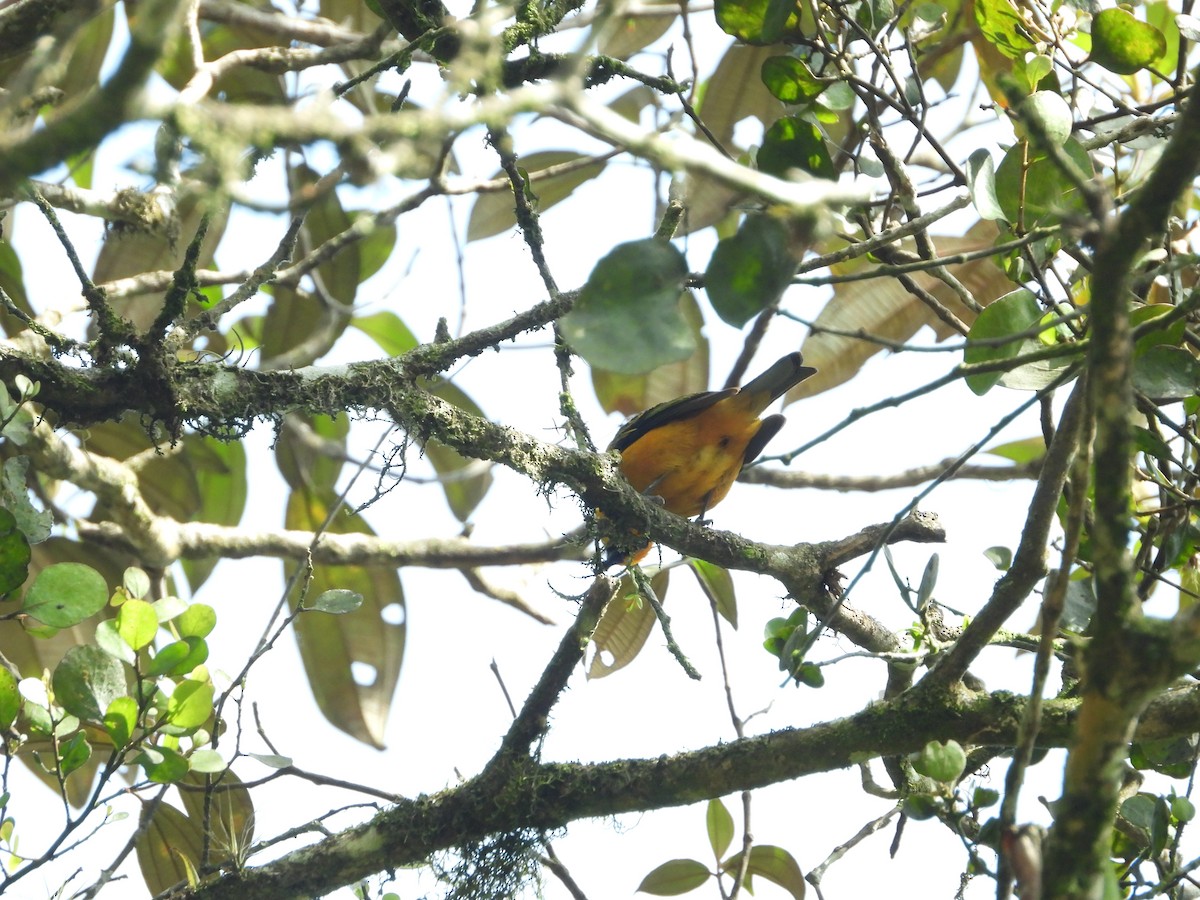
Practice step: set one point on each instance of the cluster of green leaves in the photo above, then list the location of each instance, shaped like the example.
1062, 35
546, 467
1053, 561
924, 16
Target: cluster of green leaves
790, 639
678, 876
137, 694
938, 767
635, 317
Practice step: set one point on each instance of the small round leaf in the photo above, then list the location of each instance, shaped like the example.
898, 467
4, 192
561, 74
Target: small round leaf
337, 602
941, 762
65, 594
1124, 44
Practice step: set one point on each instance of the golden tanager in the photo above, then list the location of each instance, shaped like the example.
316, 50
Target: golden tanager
687, 452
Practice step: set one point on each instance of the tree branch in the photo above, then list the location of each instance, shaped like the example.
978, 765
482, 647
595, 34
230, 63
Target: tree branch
1129, 657
908, 478
550, 795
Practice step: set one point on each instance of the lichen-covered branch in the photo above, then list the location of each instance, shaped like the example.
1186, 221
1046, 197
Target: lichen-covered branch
1129, 657
543, 796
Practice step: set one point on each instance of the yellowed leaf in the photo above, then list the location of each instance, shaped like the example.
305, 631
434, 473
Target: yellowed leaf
624, 626
883, 308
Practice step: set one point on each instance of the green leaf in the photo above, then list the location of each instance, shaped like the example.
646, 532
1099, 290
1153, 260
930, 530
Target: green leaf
941, 762
337, 602
795, 143
376, 248
137, 623
872, 14
207, 761
720, 827
191, 704
1166, 373
756, 21
1182, 809
112, 643
1031, 189
1000, 557
1160, 826
12, 280
74, 752
178, 657
85, 55
86, 682
163, 765
630, 394
34, 524
65, 726
790, 80
1025, 450
920, 807
293, 317
1171, 757
675, 877
717, 585
993, 338
782, 636
120, 719
1079, 607
981, 182
168, 608
774, 864
1168, 335
388, 331
136, 582
628, 317
1033, 69
494, 212
1139, 811
272, 760
810, 675
10, 698
1050, 112
1162, 15
64, 594
984, 797
1123, 44
928, 582
1001, 26
1012, 314
1150, 443
198, 620
14, 553
749, 271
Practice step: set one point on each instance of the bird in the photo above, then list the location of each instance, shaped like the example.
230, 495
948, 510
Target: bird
686, 453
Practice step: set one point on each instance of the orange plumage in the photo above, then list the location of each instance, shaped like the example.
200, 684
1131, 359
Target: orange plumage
687, 452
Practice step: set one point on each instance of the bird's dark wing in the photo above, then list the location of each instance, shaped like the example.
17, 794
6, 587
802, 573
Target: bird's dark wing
665, 413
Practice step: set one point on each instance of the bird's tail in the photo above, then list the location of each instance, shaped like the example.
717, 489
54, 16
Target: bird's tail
759, 393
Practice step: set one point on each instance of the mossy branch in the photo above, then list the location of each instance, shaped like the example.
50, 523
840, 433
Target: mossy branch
550, 795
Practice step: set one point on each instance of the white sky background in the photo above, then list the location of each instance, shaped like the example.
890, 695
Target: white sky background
449, 715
